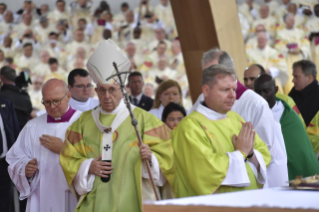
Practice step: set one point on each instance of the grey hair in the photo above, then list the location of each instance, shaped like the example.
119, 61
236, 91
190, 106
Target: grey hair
308, 67
287, 15
216, 54
210, 73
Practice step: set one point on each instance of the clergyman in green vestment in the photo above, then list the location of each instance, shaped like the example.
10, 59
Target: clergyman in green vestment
110, 122
215, 151
302, 159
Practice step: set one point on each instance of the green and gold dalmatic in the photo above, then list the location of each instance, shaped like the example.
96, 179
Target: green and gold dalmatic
124, 191
200, 147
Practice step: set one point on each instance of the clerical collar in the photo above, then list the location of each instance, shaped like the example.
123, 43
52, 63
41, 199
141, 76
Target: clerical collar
240, 90
209, 113
65, 118
81, 103
116, 110
312, 86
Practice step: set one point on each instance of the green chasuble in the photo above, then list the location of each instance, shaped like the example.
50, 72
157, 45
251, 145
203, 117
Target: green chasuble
200, 147
124, 191
301, 157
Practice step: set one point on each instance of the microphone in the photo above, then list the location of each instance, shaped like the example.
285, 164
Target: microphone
107, 157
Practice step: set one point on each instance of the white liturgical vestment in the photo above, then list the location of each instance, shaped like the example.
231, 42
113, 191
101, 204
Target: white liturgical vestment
48, 190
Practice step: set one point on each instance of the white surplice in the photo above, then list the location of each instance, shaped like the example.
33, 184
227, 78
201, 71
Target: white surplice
84, 106
252, 107
159, 111
236, 173
48, 190
277, 111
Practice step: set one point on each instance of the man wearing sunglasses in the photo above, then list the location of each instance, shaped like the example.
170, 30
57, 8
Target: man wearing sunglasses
34, 165
81, 88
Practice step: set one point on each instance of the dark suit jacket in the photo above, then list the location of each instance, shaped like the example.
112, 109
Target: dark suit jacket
10, 122
21, 101
146, 103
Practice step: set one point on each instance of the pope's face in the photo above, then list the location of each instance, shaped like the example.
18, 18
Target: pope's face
221, 94
110, 96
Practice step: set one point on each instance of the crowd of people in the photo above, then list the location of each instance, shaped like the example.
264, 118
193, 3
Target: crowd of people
56, 121
49, 43
279, 33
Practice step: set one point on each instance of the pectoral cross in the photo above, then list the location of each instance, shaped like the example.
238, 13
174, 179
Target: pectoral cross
107, 130
107, 147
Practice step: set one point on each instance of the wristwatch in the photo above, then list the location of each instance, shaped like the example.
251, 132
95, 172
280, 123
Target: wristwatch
249, 156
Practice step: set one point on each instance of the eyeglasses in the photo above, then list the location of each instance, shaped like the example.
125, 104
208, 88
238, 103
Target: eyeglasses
111, 91
89, 86
54, 102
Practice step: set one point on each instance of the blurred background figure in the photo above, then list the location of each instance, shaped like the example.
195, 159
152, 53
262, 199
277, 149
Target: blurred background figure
168, 91
173, 113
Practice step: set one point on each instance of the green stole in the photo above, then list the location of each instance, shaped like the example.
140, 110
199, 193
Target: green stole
200, 147
124, 191
301, 157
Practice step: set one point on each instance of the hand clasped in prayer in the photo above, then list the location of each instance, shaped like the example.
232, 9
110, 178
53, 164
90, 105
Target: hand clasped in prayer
246, 139
245, 142
52, 143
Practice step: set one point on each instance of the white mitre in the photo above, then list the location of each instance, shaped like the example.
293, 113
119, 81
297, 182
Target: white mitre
100, 64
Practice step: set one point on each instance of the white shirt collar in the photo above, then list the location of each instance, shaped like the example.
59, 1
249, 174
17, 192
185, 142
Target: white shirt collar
209, 113
116, 110
138, 97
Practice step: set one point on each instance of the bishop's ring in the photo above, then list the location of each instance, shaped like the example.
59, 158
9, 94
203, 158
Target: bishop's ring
101, 172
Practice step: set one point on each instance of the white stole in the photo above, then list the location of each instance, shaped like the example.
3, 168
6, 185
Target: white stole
107, 132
